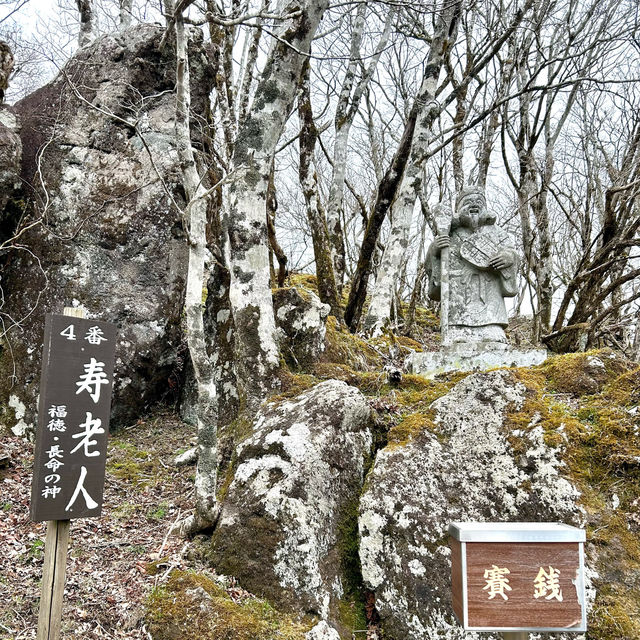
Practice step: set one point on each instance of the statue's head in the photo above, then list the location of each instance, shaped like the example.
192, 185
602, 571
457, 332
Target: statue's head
471, 209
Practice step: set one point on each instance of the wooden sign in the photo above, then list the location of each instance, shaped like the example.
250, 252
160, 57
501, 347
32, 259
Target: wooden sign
73, 418
518, 576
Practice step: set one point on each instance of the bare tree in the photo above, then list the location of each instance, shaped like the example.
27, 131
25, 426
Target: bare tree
414, 141
85, 9
327, 288
603, 212
562, 46
253, 154
351, 92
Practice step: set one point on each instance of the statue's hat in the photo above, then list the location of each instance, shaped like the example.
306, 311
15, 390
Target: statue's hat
470, 190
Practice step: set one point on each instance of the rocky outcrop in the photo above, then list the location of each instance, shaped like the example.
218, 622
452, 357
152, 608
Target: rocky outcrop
294, 493
10, 165
100, 154
467, 467
301, 319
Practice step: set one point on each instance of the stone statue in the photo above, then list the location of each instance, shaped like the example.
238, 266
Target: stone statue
482, 269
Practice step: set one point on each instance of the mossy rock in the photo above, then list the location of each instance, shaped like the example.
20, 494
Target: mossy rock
581, 374
304, 281
597, 434
192, 606
409, 428
293, 384
344, 347
402, 344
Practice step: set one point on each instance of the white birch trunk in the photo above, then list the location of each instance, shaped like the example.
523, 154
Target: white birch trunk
336, 199
250, 56
86, 22
126, 8
345, 114
414, 144
196, 216
258, 135
379, 313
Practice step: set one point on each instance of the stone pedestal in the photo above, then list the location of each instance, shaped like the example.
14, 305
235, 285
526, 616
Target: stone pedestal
472, 356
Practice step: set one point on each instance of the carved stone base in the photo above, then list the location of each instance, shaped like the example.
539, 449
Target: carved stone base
475, 356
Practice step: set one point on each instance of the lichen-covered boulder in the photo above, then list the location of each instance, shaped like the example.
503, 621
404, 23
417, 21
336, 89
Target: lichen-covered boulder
302, 322
293, 496
465, 466
10, 165
99, 149
322, 631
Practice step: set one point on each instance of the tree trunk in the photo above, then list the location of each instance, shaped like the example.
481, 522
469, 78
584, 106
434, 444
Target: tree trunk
380, 307
272, 208
325, 276
86, 22
544, 272
636, 340
422, 116
252, 304
345, 114
196, 216
126, 8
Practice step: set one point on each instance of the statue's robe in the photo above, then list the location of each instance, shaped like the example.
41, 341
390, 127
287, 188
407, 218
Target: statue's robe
476, 297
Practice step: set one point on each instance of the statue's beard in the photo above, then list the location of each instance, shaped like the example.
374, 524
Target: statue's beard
469, 222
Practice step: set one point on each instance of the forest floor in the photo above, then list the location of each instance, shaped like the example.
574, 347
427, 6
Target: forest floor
115, 560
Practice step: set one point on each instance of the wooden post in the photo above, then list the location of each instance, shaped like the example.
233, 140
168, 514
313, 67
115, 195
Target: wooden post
55, 562
515, 635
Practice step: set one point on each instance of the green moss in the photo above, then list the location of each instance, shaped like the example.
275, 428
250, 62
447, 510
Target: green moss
409, 428
292, 384
124, 510
615, 615
229, 436
139, 474
403, 344
131, 464
425, 319
624, 391
36, 550
352, 615
344, 347
576, 373
597, 437
156, 566
192, 606
223, 489
303, 291
336, 371
159, 512
351, 612
416, 393
304, 280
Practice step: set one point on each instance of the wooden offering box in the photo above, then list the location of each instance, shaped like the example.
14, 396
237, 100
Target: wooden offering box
518, 576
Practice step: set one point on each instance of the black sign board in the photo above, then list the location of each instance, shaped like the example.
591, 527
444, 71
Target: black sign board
73, 418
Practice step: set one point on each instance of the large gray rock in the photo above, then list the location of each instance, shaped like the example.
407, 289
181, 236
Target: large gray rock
322, 631
295, 485
302, 322
112, 239
10, 166
465, 469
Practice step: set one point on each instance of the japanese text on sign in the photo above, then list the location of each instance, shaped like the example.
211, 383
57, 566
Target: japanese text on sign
546, 584
75, 398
